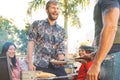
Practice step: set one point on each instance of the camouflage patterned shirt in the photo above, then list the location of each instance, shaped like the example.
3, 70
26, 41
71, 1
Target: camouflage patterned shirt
49, 41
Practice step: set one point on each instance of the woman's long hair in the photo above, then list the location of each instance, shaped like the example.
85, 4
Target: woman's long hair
5, 50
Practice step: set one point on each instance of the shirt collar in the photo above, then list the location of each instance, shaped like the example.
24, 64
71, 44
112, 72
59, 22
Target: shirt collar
46, 20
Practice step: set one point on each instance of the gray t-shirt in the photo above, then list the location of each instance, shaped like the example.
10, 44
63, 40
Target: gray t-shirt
100, 7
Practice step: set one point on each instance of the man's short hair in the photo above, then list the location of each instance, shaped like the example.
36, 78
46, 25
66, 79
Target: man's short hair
51, 2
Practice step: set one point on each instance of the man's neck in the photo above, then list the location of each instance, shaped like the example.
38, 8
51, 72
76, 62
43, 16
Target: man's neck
52, 22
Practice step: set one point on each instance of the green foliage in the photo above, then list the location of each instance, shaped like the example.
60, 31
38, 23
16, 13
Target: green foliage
23, 39
34, 5
69, 9
9, 32
2, 38
5, 23
6, 31
22, 42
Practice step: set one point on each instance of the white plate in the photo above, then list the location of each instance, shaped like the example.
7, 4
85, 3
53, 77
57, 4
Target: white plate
58, 62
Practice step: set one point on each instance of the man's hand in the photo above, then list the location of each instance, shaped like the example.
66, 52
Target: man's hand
31, 67
61, 57
93, 72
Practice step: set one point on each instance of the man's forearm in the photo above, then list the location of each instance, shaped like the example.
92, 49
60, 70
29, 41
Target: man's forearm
110, 19
30, 51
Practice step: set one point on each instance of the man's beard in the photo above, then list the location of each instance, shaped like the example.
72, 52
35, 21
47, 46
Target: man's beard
52, 18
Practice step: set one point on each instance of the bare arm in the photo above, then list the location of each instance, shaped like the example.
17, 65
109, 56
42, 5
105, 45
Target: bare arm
30, 54
110, 20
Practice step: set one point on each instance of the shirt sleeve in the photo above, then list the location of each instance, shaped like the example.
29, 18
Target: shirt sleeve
33, 31
61, 46
107, 4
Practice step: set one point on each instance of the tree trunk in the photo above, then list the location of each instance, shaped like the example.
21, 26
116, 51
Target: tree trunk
66, 24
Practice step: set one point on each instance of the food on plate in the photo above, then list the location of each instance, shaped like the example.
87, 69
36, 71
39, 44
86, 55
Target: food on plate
44, 75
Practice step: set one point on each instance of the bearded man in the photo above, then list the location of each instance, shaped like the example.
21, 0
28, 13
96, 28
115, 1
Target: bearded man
47, 39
